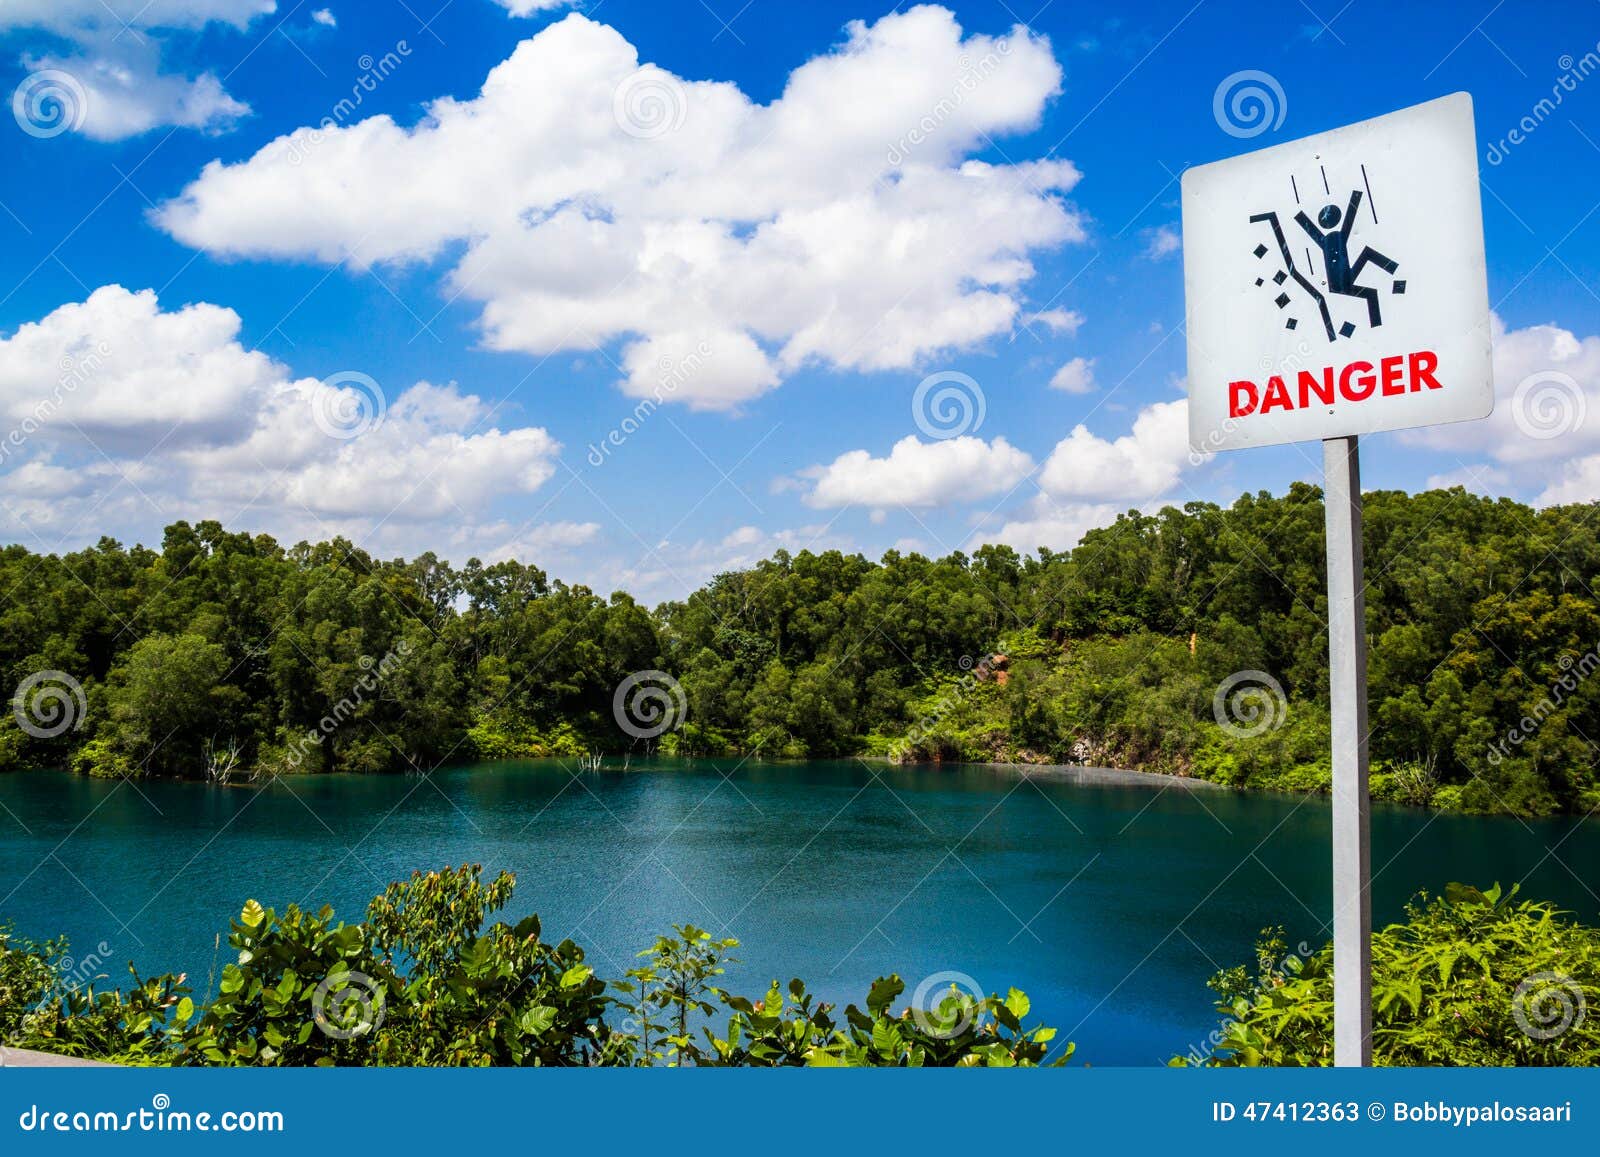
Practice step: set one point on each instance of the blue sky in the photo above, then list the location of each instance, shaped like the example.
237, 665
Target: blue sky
934, 192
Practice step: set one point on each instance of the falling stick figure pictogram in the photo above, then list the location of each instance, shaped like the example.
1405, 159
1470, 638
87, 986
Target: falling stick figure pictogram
1335, 246
1343, 276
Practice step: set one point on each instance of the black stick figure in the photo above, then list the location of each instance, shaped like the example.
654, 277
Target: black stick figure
1300, 279
1335, 246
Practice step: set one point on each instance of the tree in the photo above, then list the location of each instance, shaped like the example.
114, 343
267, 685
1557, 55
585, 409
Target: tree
164, 703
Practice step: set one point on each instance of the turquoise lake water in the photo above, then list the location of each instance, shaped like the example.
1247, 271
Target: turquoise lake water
1108, 905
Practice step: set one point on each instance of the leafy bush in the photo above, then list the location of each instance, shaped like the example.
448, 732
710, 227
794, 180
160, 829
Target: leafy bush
960, 1031
493, 739
272, 1001
1470, 978
423, 982
47, 1003
28, 973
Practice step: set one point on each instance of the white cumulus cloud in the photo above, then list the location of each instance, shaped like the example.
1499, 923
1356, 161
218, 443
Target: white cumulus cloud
73, 17
1088, 480
1144, 463
604, 201
1076, 377
1543, 437
110, 84
117, 415
673, 569
133, 374
918, 473
425, 459
1162, 242
532, 7
1056, 526
1067, 321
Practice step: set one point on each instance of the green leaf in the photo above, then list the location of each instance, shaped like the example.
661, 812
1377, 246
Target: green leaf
883, 993
537, 1020
821, 1058
1008, 1018
1017, 1002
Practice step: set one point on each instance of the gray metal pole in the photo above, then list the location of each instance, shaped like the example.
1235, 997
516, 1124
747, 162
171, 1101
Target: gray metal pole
1347, 685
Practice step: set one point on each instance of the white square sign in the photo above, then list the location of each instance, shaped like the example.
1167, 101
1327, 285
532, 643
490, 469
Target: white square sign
1335, 285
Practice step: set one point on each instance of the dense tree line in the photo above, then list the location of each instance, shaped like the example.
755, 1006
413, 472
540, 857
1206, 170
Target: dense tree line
229, 654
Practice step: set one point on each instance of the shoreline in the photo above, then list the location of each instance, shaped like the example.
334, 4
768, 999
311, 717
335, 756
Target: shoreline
1104, 776
1079, 774
1074, 773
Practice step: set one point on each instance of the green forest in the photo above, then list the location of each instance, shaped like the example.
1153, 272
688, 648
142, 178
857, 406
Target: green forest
229, 656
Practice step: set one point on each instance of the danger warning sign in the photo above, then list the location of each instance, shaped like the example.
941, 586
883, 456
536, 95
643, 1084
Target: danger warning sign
1335, 285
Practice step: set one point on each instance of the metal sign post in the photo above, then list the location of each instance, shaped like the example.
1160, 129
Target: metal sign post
1347, 691
1335, 286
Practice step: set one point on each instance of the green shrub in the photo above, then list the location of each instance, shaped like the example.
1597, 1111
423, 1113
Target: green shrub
296, 973
28, 974
48, 1003
959, 1031
423, 982
1470, 978
12, 745
100, 757
496, 739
